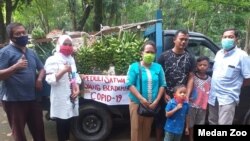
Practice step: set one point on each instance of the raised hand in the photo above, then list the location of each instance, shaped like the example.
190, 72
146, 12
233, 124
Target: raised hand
67, 68
21, 63
179, 106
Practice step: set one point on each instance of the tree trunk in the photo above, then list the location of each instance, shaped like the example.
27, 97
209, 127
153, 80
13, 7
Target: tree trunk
160, 4
194, 21
98, 14
43, 17
189, 20
8, 11
85, 16
46, 19
10, 6
247, 42
113, 12
2, 27
72, 9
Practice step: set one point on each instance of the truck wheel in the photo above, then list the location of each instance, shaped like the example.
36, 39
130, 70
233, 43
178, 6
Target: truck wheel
247, 118
94, 123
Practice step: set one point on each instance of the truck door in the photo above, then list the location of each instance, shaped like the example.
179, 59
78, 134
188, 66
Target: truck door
201, 47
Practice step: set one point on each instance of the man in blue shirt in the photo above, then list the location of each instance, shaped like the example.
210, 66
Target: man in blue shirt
230, 68
21, 73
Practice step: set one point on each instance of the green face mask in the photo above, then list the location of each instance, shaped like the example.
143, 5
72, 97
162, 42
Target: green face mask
148, 58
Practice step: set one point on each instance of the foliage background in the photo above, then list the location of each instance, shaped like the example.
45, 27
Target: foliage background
209, 17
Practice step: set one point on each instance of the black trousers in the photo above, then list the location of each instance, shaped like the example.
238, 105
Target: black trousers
63, 129
20, 113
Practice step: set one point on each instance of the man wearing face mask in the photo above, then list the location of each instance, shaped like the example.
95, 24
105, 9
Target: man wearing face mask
231, 67
18, 73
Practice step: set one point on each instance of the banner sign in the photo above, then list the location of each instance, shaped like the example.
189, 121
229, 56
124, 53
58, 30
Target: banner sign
107, 89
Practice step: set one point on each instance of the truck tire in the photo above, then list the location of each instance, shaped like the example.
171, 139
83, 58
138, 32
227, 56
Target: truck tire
94, 123
246, 120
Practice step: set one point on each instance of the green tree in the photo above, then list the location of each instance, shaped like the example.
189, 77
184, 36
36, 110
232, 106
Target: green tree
47, 14
98, 14
112, 12
7, 7
54, 14
87, 6
210, 17
79, 12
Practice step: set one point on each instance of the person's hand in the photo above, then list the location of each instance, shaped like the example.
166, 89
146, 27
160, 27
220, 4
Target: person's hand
144, 102
39, 85
153, 105
186, 131
166, 97
179, 106
21, 63
189, 100
67, 68
75, 91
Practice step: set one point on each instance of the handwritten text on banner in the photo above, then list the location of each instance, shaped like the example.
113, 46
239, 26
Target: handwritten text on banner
107, 89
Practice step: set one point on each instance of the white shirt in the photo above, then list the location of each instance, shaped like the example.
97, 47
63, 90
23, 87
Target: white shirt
61, 106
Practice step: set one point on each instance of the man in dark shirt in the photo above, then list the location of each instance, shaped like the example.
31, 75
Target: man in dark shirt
21, 73
178, 66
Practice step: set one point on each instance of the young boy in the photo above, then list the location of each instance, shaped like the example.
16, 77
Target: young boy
176, 113
199, 97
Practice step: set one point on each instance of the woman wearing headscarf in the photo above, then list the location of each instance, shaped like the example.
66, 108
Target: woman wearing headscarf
61, 75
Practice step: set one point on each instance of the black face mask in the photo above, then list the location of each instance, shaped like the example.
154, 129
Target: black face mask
21, 41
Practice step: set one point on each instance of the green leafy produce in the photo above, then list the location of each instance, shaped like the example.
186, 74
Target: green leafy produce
38, 33
119, 51
43, 49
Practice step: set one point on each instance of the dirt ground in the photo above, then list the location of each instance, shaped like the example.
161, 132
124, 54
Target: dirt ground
5, 132
120, 132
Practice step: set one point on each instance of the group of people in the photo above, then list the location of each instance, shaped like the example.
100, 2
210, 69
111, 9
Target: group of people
184, 90
176, 82
21, 75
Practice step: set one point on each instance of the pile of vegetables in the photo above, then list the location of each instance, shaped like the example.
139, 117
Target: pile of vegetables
38, 33
42, 46
43, 49
118, 50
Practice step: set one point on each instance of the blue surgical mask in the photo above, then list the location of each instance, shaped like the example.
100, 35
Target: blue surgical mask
21, 41
227, 43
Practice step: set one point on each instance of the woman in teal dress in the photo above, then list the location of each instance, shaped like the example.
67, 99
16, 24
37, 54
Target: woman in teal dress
153, 87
